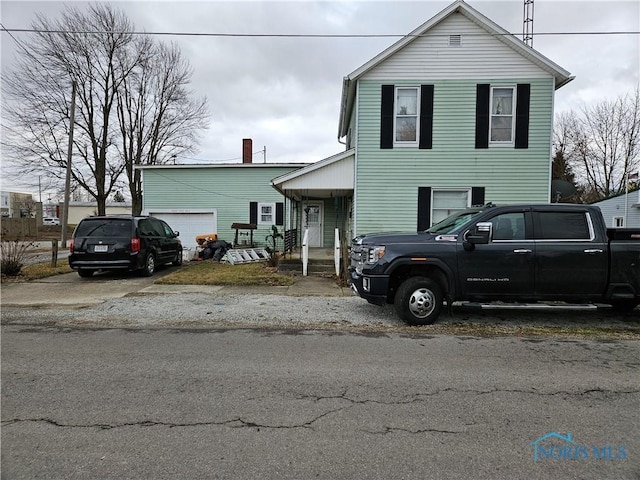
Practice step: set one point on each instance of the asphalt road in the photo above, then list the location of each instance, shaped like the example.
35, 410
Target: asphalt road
161, 403
115, 377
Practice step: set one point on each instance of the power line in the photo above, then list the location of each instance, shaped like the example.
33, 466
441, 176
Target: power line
292, 35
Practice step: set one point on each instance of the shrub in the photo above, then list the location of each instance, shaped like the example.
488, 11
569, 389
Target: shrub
274, 259
12, 256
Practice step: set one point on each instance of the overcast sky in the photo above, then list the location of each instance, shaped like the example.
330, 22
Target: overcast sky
284, 93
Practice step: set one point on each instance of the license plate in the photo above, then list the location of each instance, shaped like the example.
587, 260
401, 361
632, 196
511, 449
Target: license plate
101, 248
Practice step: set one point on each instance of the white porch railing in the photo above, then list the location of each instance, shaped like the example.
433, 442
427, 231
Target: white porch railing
336, 251
305, 252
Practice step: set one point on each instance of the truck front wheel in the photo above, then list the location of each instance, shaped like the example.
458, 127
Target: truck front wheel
419, 301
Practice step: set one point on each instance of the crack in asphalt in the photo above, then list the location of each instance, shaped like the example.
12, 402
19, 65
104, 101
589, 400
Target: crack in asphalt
242, 423
419, 396
388, 430
234, 423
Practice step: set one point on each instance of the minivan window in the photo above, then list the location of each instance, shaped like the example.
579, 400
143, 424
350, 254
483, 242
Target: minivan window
167, 230
146, 228
158, 228
104, 227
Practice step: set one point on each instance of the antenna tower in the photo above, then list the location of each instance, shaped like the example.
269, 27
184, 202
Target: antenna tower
527, 27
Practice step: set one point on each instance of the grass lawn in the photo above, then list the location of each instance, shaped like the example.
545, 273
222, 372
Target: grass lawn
210, 273
40, 270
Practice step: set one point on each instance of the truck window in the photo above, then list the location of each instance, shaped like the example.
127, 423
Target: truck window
564, 226
452, 222
508, 226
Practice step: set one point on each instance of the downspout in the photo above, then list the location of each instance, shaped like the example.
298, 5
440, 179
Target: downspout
354, 205
553, 114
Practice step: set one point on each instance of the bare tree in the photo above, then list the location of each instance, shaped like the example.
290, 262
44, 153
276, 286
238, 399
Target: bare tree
132, 103
602, 144
158, 118
561, 169
72, 49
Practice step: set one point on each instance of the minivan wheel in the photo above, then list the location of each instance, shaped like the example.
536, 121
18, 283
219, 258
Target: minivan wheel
84, 273
178, 261
149, 265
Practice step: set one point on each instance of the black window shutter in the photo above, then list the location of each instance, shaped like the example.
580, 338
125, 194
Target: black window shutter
426, 117
482, 115
477, 195
279, 213
386, 117
522, 115
253, 212
424, 208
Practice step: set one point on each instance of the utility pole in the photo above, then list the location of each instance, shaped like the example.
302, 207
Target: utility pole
67, 183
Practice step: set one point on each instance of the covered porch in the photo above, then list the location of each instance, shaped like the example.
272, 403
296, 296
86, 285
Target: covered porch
318, 205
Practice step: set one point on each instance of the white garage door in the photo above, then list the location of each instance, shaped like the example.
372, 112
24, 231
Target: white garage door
190, 224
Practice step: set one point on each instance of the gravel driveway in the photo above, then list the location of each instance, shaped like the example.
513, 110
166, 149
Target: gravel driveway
217, 309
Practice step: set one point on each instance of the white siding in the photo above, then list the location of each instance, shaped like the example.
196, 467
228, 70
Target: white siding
614, 207
338, 175
481, 55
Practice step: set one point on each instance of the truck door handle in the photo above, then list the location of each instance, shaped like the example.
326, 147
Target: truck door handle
522, 251
593, 250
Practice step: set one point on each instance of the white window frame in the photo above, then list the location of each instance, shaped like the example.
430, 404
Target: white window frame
434, 191
618, 222
406, 143
272, 207
503, 143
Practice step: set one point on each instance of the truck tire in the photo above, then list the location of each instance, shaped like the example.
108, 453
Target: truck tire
419, 301
85, 273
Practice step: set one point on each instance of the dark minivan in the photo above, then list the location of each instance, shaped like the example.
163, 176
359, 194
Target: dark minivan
123, 242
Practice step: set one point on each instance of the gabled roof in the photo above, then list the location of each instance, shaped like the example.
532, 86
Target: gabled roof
332, 176
561, 76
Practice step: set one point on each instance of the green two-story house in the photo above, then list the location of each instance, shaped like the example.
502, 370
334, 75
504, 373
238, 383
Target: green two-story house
457, 113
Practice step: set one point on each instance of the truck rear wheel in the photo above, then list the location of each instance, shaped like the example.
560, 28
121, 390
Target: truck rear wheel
419, 301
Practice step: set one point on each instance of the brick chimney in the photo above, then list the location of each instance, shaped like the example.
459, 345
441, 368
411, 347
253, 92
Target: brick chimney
247, 150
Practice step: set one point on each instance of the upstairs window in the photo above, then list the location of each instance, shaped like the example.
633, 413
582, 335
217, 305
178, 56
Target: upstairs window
502, 115
406, 118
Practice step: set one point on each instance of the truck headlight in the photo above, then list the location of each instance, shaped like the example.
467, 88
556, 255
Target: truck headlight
375, 254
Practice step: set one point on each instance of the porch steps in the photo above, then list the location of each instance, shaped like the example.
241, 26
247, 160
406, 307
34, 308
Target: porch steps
314, 267
246, 255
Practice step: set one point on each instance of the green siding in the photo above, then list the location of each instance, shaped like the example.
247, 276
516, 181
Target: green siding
387, 181
227, 190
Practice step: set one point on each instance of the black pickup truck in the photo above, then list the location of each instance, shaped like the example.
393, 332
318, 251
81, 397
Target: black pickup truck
511, 253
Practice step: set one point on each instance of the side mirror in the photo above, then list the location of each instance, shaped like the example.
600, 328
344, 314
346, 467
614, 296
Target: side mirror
176, 234
481, 234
